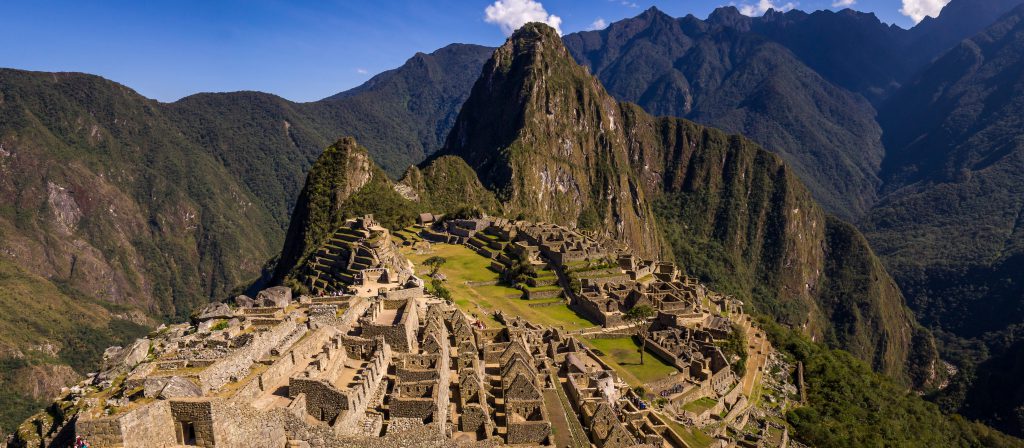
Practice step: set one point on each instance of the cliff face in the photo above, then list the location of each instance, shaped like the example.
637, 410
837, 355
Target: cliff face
554, 146
549, 141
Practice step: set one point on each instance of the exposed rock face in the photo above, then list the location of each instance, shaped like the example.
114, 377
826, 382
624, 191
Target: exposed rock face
119, 360
43, 382
244, 301
216, 310
550, 142
553, 145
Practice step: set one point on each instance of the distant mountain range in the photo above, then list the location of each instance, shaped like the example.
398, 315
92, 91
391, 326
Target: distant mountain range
107, 197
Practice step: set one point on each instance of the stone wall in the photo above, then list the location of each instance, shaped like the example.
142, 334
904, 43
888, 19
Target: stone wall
236, 364
400, 336
324, 402
543, 294
200, 413
100, 432
407, 293
528, 432
147, 426
360, 397
279, 372
240, 425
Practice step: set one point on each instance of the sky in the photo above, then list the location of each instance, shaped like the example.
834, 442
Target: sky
308, 50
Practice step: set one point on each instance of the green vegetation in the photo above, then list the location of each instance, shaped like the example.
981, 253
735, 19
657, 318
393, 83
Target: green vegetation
434, 263
464, 265
438, 289
849, 405
80, 328
17, 405
638, 316
827, 134
736, 345
700, 405
623, 354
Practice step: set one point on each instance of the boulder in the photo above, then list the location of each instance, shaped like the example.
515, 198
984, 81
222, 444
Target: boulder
117, 360
179, 387
244, 301
278, 296
152, 387
215, 310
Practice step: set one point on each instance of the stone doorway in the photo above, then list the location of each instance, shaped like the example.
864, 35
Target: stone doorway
186, 433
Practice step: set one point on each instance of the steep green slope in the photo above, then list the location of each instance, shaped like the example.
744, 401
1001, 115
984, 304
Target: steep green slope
951, 222
546, 137
951, 225
720, 73
848, 405
101, 191
51, 336
103, 202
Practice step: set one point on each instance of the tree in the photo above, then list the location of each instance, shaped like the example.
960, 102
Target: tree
638, 316
440, 290
435, 263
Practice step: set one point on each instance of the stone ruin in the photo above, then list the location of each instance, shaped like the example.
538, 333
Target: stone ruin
396, 365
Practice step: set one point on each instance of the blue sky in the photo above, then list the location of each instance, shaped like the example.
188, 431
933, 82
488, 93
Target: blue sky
301, 50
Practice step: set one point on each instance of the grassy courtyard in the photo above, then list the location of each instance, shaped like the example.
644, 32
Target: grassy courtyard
463, 265
624, 356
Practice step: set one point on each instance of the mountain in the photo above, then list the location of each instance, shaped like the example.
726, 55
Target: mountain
267, 142
553, 145
851, 49
954, 184
721, 73
958, 20
950, 225
108, 215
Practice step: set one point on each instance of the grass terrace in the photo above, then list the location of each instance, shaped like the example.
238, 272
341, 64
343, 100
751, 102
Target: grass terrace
699, 405
464, 265
623, 354
693, 437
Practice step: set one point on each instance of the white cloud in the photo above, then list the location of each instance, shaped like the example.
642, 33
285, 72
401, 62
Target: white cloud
629, 4
362, 71
918, 9
509, 15
762, 6
598, 24
843, 3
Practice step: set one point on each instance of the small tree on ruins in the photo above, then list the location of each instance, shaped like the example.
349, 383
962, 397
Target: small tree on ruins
638, 316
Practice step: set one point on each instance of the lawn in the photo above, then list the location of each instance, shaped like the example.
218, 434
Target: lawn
624, 356
699, 405
693, 437
463, 264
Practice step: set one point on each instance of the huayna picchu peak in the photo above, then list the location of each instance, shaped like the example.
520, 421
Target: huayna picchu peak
656, 231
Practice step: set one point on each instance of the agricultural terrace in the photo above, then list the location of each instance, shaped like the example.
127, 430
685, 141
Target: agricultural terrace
463, 265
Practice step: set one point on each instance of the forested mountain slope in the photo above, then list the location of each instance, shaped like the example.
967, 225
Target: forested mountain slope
950, 225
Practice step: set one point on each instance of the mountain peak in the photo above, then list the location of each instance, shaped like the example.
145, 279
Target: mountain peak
729, 16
